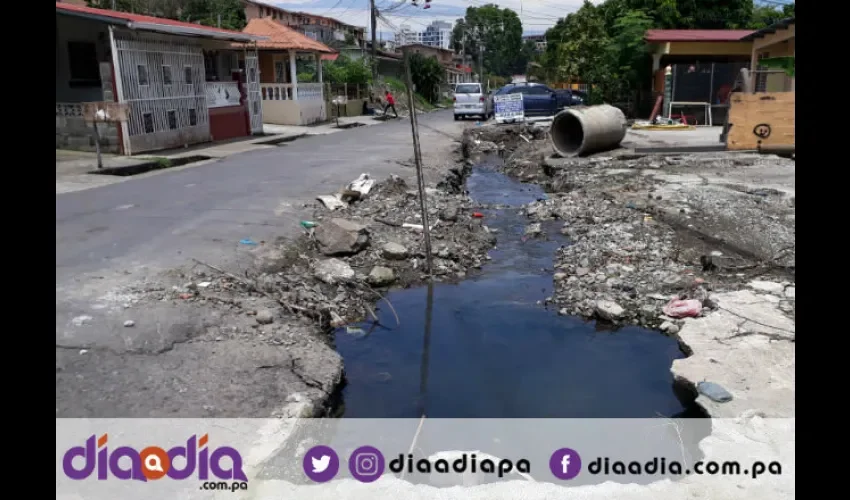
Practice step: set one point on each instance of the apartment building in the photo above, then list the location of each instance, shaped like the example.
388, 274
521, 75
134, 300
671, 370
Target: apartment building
320, 28
438, 34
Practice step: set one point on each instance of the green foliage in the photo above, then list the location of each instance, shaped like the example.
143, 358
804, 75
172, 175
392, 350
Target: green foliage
206, 12
347, 70
427, 74
786, 63
499, 31
604, 44
399, 89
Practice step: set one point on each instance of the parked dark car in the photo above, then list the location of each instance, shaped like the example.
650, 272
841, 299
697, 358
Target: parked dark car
539, 99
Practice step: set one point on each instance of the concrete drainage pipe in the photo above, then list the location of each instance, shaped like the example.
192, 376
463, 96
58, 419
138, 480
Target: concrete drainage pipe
582, 130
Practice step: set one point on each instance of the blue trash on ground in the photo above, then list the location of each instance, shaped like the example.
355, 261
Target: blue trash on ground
248, 241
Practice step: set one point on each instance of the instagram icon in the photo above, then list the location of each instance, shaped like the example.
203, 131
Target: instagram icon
366, 464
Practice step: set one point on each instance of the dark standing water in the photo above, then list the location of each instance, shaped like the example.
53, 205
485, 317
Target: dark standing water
490, 351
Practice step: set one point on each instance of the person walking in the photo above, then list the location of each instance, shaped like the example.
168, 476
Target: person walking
390, 103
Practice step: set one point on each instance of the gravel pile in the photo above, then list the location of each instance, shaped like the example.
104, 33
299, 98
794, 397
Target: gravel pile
648, 229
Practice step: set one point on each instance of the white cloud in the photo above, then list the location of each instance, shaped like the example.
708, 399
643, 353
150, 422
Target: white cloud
536, 15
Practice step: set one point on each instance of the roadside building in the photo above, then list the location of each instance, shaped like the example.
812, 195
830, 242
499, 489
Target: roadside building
323, 29
285, 100
181, 83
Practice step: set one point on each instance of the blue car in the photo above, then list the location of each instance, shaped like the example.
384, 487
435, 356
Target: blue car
540, 100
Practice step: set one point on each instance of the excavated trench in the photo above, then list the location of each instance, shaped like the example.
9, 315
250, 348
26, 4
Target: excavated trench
488, 347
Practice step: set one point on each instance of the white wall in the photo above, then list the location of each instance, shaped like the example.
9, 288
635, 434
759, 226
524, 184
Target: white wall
69, 29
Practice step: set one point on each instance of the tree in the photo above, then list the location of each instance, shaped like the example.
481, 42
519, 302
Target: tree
347, 70
231, 13
499, 31
427, 74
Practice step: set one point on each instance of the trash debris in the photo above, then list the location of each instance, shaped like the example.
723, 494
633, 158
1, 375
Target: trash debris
332, 201
362, 184
247, 241
353, 330
81, 320
308, 224
185, 296
129, 323
204, 284
714, 392
418, 227
683, 308
477, 215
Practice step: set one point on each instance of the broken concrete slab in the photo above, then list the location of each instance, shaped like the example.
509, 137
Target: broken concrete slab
394, 251
381, 276
747, 346
341, 237
332, 271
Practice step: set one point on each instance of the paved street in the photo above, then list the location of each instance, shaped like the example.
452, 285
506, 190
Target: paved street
122, 233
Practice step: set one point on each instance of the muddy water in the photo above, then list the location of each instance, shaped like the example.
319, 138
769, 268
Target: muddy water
487, 347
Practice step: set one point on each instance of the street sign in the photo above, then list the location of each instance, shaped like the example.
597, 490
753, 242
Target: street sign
509, 108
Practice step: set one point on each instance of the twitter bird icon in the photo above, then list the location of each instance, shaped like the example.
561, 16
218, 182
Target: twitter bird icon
321, 464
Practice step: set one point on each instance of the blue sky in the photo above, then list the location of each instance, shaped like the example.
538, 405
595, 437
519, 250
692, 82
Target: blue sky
536, 15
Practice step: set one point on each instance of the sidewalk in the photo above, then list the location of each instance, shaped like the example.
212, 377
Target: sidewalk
73, 167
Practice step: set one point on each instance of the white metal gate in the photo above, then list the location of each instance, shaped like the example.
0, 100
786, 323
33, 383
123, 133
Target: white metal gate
252, 79
163, 85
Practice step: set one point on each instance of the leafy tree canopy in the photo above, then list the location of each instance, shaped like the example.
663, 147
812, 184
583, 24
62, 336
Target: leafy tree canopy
206, 12
495, 34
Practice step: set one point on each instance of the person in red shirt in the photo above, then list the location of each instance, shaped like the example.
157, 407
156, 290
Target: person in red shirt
390, 104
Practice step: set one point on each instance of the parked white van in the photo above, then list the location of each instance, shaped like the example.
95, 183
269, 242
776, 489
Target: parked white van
471, 100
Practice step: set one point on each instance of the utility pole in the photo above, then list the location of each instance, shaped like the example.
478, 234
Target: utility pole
417, 158
374, 15
481, 62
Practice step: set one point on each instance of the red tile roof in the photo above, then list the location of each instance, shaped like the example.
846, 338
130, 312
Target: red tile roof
137, 18
282, 37
695, 35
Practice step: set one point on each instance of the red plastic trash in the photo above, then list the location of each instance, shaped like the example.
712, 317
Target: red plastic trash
477, 215
683, 308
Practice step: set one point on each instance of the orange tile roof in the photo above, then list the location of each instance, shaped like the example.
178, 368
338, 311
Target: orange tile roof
282, 37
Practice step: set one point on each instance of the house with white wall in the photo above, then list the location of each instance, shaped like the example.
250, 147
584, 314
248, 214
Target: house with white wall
181, 83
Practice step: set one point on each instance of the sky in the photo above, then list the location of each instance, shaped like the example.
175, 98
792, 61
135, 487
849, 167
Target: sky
536, 15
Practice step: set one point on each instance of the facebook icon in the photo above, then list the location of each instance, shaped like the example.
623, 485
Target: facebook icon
565, 464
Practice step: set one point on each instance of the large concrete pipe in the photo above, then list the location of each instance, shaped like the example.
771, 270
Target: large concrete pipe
582, 130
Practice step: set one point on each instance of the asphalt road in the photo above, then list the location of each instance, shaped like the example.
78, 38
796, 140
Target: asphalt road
125, 233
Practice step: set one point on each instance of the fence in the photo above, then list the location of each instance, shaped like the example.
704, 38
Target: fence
355, 94
700, 91
771, 80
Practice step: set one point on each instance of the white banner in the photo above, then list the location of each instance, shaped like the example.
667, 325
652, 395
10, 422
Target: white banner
315, 459
509, 107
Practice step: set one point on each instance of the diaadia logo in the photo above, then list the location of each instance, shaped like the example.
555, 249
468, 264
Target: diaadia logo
195, 459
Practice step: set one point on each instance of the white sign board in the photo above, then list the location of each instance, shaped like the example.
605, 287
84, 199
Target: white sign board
509, 108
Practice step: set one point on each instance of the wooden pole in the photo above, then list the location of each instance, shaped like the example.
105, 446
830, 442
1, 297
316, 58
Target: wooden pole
97, 144
417, 157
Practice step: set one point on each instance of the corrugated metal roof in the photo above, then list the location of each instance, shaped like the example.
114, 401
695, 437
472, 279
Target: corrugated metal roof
696, 35
282, 37
773, 28
149, 23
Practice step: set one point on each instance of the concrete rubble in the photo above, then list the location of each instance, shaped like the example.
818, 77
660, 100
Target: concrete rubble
705, 235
